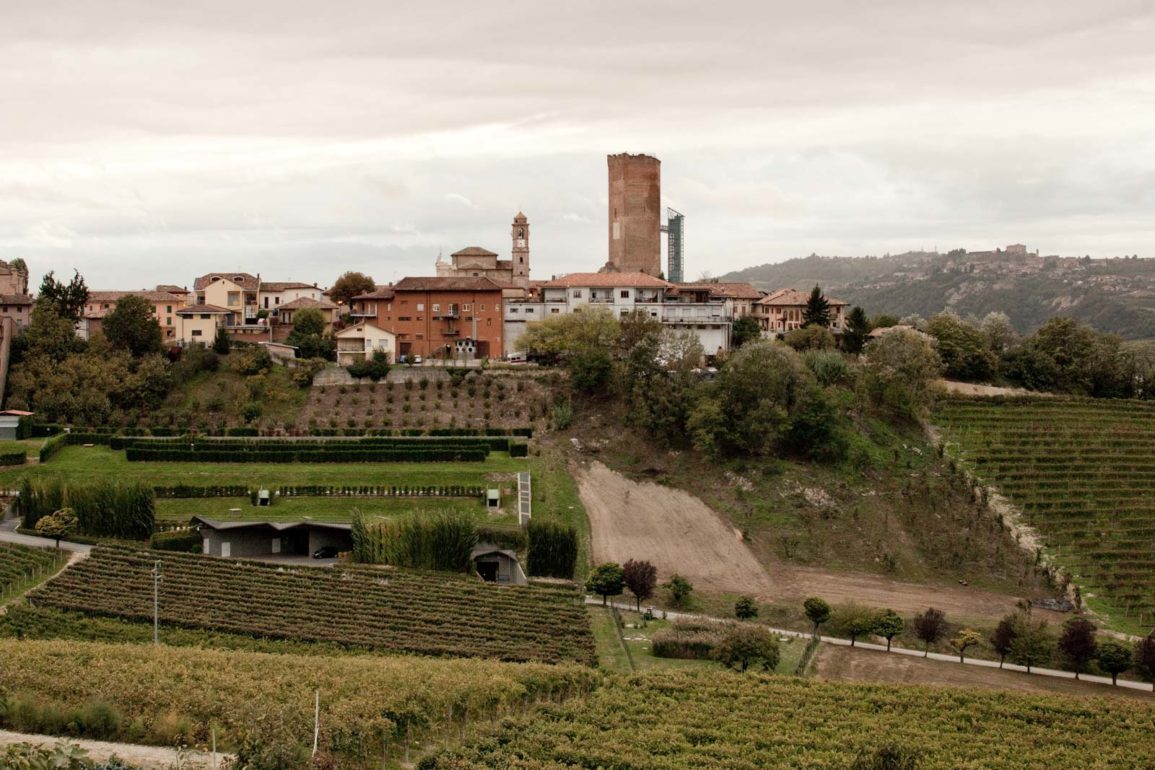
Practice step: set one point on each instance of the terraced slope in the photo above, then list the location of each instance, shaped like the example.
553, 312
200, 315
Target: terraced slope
21, 566
391, 610
1083, 471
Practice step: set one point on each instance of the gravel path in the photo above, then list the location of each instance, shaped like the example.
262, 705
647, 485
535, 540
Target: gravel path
146, 757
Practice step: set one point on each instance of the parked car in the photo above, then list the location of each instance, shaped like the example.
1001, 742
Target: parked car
417, 359
325, 552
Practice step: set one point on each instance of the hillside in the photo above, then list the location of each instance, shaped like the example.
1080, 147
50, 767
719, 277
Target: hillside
1112, 295
1081, 470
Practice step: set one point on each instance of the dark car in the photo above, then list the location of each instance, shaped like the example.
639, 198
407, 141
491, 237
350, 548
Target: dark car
325, 552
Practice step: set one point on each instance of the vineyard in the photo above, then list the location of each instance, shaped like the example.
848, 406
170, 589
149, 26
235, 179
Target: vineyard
387, 610
20, 566
1083, 473
674, 720
370, 707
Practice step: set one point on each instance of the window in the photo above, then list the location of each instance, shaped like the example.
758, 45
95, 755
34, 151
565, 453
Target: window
168, 322
554, 310
466, 308
420, 306
436, 308
529, 310
106, 306
404, 318
577, 293
168, 308
481, 308
234, 298
404, 302
489, 322
514, 310
276, 300
205, 316
196, 332
625, 293
266, 303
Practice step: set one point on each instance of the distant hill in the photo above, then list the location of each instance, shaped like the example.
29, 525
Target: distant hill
1114, 295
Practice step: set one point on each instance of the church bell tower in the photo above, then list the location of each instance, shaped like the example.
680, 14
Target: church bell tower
520, 235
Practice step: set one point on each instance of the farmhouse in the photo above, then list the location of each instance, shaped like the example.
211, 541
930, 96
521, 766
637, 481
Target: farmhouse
783, 310
270, 538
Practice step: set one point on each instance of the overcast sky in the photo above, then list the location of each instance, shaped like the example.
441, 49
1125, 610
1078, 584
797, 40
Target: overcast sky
144, 142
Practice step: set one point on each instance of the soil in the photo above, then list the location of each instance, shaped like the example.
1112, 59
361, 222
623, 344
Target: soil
843, 664
679, 533
974, 389
146, 757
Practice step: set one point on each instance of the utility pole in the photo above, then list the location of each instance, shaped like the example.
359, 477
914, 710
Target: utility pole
156, 576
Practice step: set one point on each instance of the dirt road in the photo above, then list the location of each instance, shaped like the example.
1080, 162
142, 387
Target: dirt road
675, 531
856, 665
146, 757
679, 533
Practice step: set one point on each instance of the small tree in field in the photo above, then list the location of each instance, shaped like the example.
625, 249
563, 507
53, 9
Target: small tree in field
1003, 638
745, 608
856, 621
965, 638
680, 590
221, 343
817, 611
1077, 644
1033, 643
889, 625
929, 627
745, 644
606, 580
1114, 658
1145, 659
58, 525
641, 578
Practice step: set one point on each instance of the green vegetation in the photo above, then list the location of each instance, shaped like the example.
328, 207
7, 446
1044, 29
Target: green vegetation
339, 509
22, 567
670, 720
553, 548
1081, 470
259, 704
439, 541
101, 508
396, 610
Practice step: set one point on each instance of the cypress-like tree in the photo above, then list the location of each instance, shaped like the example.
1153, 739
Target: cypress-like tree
817, 312
857, 331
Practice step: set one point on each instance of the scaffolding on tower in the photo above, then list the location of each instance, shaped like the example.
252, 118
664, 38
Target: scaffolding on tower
675, 245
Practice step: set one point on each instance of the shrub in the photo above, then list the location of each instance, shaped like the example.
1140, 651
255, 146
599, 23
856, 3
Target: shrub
13, 457
680, 590
551, 549
181, 540
688, 640
745, 643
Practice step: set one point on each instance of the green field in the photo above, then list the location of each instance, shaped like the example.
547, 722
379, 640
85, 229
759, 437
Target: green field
1083, 472
319, 508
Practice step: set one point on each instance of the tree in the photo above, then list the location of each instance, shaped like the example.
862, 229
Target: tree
557, 337
641, 578
221, 343
50, 334
307, 321
856, 621
1114, 657
747, 643
308, 335
857, 331
745, 329
817, 310
637, 326
889, 625
58, 525
1003, 638
132, 326
929, 627
965, 638
818, 612
1145, 659
810, 338
1000, 333
680, 590
745, 608
963, 348
1032, 644
606, 580
349, 285
1077, 644
66, 299
899, 369
590, 371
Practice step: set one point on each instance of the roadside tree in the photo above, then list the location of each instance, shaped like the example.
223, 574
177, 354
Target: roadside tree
929, 626
746, 643
606, 580
745, 608
964, 639
1077, 644
1114, 657
1145, 659
1003, 637
641, 578
58, 525
856, 621
1033, 643
889, 625
680, 590
817, 611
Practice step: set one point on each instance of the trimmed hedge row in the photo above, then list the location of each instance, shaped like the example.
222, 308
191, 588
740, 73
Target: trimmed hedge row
491, 444
307, 456
61, 440
187, 491
13, 457
180, 540
46, 430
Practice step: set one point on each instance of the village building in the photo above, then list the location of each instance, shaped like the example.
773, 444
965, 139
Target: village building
476, 262
329, 310
237, 293
230, 539
438, 317
361, 340
200, 323
15, 301
783, 310
273, 295
165, 305
710, 319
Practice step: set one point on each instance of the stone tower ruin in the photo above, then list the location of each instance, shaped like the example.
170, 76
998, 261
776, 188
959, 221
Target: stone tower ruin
635, 195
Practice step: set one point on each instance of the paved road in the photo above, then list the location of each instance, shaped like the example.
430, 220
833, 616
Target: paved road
8, 534
901, 650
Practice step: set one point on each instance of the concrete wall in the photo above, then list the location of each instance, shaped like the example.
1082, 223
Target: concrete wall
242, 542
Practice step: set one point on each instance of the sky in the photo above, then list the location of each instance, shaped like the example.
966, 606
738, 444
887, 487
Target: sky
146, 142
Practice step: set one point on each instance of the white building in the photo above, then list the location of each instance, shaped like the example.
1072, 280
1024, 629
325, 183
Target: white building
361, 340
623, 293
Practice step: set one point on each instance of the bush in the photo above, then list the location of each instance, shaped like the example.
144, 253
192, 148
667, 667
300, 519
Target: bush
518, 450
13, 457
181, 540
513, 538
552, 549
688, 640
746, 643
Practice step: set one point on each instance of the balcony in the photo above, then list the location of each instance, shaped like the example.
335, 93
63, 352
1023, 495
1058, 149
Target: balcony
450, 314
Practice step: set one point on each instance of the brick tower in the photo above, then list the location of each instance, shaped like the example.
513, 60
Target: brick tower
635, 213
520, 254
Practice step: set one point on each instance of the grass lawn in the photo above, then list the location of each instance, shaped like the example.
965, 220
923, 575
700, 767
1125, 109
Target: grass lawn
31, 446
77, 463
612, 655
319, 508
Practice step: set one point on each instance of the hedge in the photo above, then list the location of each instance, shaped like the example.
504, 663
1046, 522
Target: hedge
518, 450
552, 549
306, 455
489, 443
512, 538
182, 540
319, 490
13, 457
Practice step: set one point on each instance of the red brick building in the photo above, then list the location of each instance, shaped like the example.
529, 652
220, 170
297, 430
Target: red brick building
440, 317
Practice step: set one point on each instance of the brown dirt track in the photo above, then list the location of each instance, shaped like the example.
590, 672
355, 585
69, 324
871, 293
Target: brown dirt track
843, 664
679, 533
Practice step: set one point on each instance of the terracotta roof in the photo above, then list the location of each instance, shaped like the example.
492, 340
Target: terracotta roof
116, 296
474, 251
284, 285
194, 309
303, 302
381, 292
520, 218
793, 298
16, 299
446, 284
244, 280
636, 280
171, 288
732, 290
